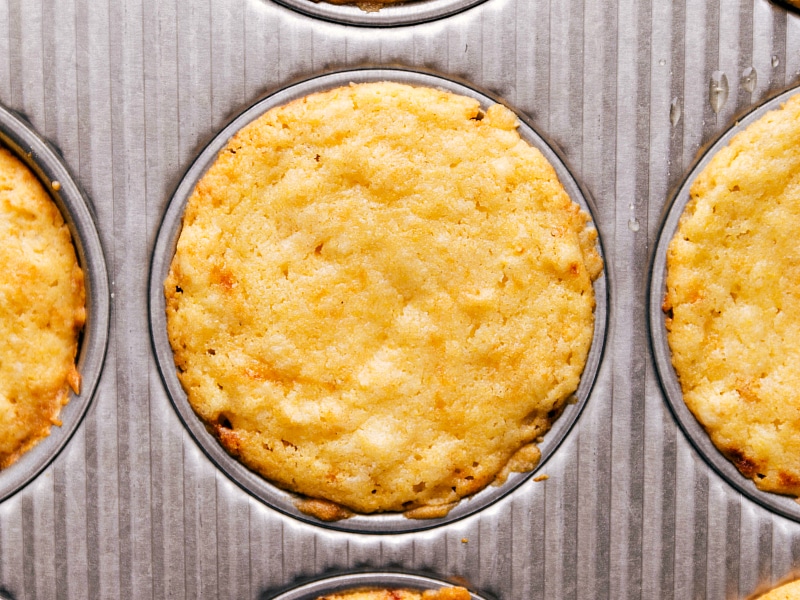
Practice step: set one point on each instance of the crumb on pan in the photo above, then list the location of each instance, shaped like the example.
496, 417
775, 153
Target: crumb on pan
324, 510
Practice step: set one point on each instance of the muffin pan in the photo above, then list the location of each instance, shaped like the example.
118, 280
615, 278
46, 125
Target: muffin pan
19, 137
164, 250
782, 505
638, 503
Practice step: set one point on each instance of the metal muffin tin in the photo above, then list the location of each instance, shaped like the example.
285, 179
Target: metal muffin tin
131, 92
405, 13
339, 584
782, 505
165, 248
43, 160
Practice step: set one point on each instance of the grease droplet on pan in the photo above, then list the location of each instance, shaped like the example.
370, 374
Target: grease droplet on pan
675, 111
749, 80
718, 90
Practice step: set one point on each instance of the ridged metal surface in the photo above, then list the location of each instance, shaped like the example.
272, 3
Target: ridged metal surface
130, 92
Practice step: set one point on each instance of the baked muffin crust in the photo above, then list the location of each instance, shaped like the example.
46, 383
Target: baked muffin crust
366, 5
381, 297
733, 300
787, 591
454, 593
42, 310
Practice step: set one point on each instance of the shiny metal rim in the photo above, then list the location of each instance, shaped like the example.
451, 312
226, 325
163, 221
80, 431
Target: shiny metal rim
782, 505
17, 135
165, 248
409, 13
352, 582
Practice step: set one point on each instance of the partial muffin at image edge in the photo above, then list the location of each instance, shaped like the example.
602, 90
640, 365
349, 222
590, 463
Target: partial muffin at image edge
381, 298
450, 593
366, 5
787, 591
42, 311
792, 3
733, 303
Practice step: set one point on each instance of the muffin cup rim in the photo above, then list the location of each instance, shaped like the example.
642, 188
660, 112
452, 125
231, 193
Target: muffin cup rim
365, 579
662, 356
48, 166
393, 15
394, 523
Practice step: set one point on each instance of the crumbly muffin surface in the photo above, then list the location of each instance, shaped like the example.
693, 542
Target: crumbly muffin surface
41, 311
787, 591
455, 593
733, 300
381, 297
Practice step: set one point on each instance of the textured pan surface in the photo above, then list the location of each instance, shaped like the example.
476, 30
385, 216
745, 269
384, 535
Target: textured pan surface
132, 91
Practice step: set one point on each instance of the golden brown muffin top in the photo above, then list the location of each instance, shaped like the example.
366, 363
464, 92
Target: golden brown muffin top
733, 300
367, 5
41, 311
381, 297
787, 591
455, 593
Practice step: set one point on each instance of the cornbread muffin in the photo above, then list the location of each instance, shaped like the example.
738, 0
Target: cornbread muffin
456, 593
367, 5
41, 311
788, 591
733, 300
381, 298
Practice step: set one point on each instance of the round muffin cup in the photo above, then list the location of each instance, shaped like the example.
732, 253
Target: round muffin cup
392, 15
697, 435
165, 248
45, 162
359, 581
